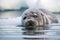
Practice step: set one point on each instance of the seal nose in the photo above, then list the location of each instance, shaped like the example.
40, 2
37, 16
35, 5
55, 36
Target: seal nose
30, 23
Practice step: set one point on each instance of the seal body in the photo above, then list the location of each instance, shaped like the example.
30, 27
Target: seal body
38, 17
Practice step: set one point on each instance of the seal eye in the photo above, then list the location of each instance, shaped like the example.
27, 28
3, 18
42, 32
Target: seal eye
24, 18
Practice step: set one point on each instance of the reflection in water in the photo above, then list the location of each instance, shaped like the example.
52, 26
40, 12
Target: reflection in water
34, 31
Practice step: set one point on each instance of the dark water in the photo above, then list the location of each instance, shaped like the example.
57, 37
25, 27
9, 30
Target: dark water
10, 31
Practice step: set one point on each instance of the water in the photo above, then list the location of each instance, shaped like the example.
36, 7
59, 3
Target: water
9, 29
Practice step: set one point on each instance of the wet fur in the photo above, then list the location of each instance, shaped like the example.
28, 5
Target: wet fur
44, 17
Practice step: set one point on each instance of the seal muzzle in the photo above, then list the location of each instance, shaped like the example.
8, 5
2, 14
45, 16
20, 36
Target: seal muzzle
30, 23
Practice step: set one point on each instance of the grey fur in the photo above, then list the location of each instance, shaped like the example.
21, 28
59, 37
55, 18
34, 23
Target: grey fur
39, 17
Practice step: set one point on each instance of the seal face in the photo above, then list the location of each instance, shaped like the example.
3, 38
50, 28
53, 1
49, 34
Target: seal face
37, 17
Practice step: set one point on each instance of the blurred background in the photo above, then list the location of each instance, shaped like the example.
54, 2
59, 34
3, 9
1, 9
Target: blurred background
11, 5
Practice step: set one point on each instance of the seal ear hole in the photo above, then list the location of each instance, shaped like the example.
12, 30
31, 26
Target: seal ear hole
24, 18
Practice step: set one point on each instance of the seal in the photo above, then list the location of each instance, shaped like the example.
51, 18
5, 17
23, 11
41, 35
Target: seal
38, 17
35, 20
